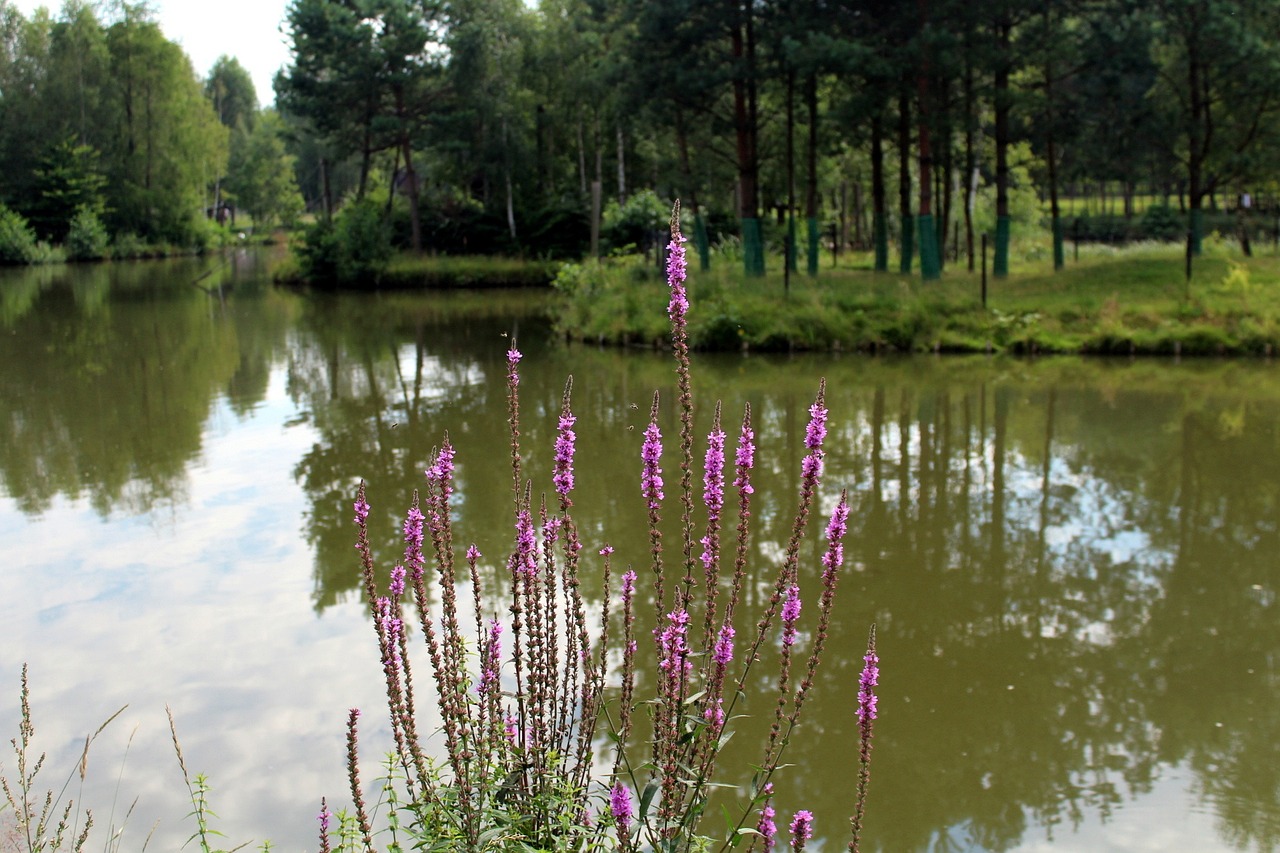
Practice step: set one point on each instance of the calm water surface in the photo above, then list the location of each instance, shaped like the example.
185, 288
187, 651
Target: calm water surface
1072, 564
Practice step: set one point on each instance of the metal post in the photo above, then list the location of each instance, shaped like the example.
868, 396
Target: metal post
984, 270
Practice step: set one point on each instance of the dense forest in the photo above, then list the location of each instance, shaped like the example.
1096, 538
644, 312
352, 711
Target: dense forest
499, 127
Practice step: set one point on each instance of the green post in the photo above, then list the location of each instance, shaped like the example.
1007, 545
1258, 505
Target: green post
1059, 256
907, 244
1000, 263
815, 243
930, 263
880, 233
792, 249
701, 242
752, 247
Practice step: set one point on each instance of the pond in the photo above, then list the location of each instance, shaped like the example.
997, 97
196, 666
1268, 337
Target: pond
1072, 564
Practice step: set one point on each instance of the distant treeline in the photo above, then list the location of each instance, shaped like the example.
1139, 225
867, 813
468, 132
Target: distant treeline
497, 126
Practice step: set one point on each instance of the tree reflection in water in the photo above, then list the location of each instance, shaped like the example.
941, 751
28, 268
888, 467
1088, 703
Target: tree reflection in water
1071, 562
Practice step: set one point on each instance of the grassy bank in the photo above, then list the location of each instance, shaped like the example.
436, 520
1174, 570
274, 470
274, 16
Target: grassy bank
439, 272
1131, 300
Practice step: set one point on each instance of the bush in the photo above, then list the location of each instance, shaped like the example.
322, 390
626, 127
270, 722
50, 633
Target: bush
353, 249
636, 222
87, 239
128, 245
17, 240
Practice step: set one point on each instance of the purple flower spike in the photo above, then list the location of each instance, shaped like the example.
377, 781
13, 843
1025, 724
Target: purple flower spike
867, 684
801, 829
766, 827
746, 458
563, 476
628, 586
723, 653
525, 560
513, 358
833, 559
816, 432
362, 510
324, 817
713, 478
677, 268
493, 658
675, 649
790, 613
620, 806
651, 454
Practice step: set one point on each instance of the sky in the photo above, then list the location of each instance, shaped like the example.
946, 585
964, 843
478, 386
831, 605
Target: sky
249, 30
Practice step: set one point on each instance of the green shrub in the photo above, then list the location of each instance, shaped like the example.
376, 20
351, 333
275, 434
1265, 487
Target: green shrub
635, 222
87, 239
352, 249
128, 245
17, 240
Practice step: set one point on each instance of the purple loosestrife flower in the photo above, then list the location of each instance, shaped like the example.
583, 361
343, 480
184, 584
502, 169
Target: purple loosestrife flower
714, 715
397, 581
391, 626
473, 553
606, 550
525, 560
677, 267
745, 458
563, 476
836, 528
815, 434
675, 651
867, 684
413, 521
362, 510
790, 613
723, 653
442, 471
628, 584
651, 454
323, 817
766, 827
713, 478
620, 807
493, 658
801, 829
513, 358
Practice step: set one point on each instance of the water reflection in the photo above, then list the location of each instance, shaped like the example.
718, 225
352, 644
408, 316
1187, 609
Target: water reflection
111, 371
1070, 562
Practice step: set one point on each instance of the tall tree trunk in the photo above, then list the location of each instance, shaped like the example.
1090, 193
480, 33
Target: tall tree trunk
743, 43
411, 182
927, 233
582, 161
410, 176
811, 193
906, 241
789, 258
1051, 152
1000, 263
970, 157
622, 165
879, 192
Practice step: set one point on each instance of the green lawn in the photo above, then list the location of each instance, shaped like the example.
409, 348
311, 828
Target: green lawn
1135, 299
